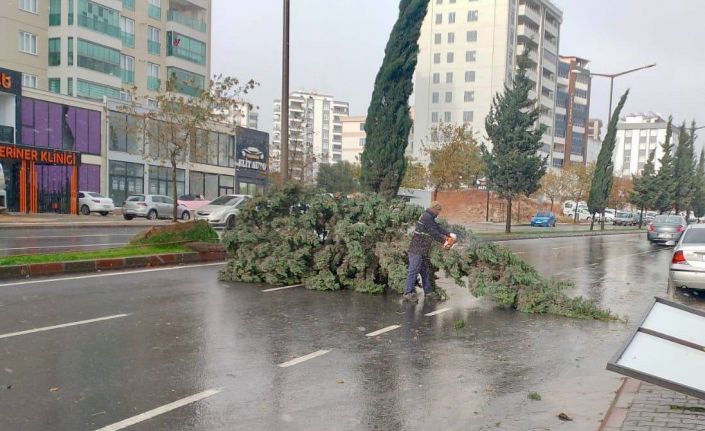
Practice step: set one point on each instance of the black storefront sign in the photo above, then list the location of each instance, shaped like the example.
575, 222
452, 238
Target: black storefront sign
251, 160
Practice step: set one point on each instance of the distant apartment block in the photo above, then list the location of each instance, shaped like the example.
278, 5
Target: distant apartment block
638, 135
354, 138
572, 112
595, 128
468, 53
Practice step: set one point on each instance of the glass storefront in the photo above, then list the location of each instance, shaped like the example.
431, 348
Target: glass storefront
124, 179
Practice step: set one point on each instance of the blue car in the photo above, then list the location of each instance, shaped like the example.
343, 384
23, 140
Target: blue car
544, 218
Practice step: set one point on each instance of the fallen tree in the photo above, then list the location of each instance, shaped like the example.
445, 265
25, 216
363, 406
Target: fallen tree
326, 242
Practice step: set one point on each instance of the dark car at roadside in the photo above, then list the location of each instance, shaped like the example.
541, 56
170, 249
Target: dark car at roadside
544, 218
666, 229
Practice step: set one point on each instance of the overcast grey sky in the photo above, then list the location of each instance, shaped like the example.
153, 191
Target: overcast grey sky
337, 47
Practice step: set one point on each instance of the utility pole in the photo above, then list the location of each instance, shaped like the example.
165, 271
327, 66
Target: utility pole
284, 116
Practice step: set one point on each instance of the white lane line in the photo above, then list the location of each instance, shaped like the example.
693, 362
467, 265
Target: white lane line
561, 248
383, 330
160, 410
437, 312
275, 289
303, 358
64, 236
63, 246
65, 325
111, 274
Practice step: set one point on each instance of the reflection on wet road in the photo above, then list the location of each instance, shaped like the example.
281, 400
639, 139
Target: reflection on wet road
186, 334
50, 240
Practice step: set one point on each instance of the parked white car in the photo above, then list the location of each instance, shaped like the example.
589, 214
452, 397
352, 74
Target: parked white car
152, 207
221, 212
92, 202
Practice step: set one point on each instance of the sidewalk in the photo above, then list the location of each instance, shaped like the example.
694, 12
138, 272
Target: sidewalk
641, 406
45, 220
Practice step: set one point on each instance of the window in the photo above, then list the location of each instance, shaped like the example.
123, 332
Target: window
54, 51
190, 83
98, 18
92, 90
153, 77
557, 163
69, 86
449, 97
69, 51
469, 96
28, 43
98, 58
437, 38
449, 77
185, 47
469, 76
471, 36
472, 15
439, 1
435, 97
128, 4
451, 37
154, 9
434, 117
467, 116
154, 45
451, 17
127, 31
55, 85
439, 18
450, 57
29, 81
124, 179
54, 12
470, 56
70, 17
362, 127
29, 5
123, 133
436, 58
436, 78
446, 117
362, 142
160, 181
127, 69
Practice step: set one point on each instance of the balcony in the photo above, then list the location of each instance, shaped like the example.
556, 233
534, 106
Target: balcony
532, 14
154, 47
551, 27
7, 134
528, 33
99, 26
128, 39
127, 76
154, 12
183, 19
128, 4
153, 83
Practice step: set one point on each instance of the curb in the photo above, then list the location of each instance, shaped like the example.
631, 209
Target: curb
617, 413
503, 238
12, 272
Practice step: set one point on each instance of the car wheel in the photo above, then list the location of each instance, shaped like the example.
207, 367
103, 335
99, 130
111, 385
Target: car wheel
104, 213
85, 210
128, 217
152, 215
553, 224
230, 223
186, 216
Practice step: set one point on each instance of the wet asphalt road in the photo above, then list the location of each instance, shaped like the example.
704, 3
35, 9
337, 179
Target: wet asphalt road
186, 333
50, 240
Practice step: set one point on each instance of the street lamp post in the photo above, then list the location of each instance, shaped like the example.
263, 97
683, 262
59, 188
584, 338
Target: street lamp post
284, 117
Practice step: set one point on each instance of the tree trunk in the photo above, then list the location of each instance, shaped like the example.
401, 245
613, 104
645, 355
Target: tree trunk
602, 219
592, 222
508, 226
175, 216
551, 204
641, 219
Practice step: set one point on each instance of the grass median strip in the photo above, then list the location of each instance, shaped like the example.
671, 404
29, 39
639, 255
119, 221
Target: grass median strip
93, 254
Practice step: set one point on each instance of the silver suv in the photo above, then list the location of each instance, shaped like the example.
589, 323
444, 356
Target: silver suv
152, 207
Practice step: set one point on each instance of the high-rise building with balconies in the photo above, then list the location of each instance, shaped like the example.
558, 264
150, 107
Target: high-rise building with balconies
572, 113
315, 130
468, 53
96, 48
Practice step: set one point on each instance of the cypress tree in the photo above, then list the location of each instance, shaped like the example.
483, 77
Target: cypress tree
513, 167
388, 122
699, 192
602, 180
665, 181
684, 171
644, 188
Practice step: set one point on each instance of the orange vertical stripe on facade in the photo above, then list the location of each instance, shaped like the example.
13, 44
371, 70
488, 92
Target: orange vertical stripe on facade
74, 191
23, 187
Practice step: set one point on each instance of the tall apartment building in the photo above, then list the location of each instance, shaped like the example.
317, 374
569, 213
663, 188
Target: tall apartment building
354, 138
315, 122
468, 53
572, 112
637, 135
96, 48
595, 128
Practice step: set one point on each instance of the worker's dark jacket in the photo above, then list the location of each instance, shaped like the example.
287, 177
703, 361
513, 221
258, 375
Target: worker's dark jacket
427, 230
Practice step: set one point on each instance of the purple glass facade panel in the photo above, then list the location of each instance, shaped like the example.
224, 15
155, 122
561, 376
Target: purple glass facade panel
94, 126
41, 124
55, 130
89, 178
82, 130
28, 135
27, 112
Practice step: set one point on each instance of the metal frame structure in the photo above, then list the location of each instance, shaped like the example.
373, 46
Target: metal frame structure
613, 364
